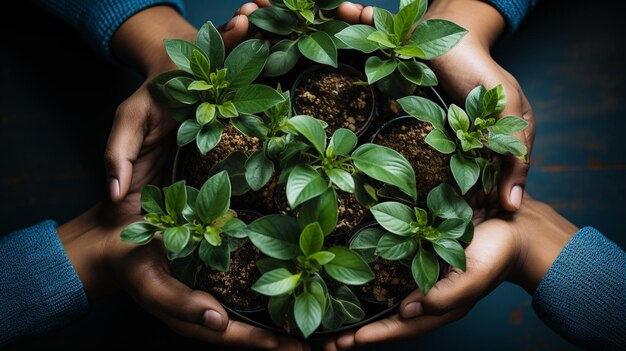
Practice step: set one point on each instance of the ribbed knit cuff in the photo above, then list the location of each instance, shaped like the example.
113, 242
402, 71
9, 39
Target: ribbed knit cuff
583, 294
513, 11
40, 288
97, 20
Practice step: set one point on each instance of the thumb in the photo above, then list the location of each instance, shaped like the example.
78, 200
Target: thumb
235, 31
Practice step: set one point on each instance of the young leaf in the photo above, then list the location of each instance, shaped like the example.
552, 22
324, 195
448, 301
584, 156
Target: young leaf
424, 110
139, 233
276, 236
435, 37
211, 43
451, 251
308, 313
469, 141
509, 125
418, 73
245, 63
177, 88
322, 257
311, 239
474, 102
394, 216
421, 216
214, 198
406, 17
255, 98
382, 39
199, 65
439, 140
386, 165
355, 37
152, 199
228, 110
322, 209
348, 267
365, 243
319, 47
175, 199
425, 269
452, 228
393, 247
180, 52
205, 113
503, 144
175, 238
333, 27
444, 202
465, 171
311, 129
283, 58
342, 179
494, 100
209, 136
259, 170
274, 19
383, 21
199, 85
458, 119
342, 143
304, 183
376, 69
277, 282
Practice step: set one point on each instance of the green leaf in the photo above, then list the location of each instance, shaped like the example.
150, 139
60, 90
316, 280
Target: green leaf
267, 264
376, 69
425, 269
458, 119
245, 63
259, 170
406, 17
334, 314
494, 100
365, 243
468, 235
274, 19
364, 192
214, 198
451, 251
276, 236
393, 247
469, 141
333, 27
383, 21
409, 50
205, 113
308, 313
175, 238
342, 143
507, 144
212, 236
308, 15
509, 125
280, 309
189, 213
284, 56
175, 199
395, 85
318, 289
311, 239
209, 136
187, 132
152, 199
355, 37
435, 37
228, 110
277, 282
322, 257
424, 110
311, 129
394, 216
328, 4
256, 98
465, 172
322, 209
139, 233
444, 202
180, 52
348, 267
211, 43
474, 102
199, 85
421, 215
452, 228
342, 179
235, 228
386, 165
439, 140
200, 65
354, 313
234, 164
319, 47
177, 88
382, 39
304, 183
418, 73
251, 126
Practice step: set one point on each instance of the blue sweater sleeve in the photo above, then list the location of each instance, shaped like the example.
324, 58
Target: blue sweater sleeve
513, 11
40, 289
583, 294
97, 20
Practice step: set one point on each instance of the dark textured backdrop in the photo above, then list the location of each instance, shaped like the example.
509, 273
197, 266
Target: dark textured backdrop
57, 100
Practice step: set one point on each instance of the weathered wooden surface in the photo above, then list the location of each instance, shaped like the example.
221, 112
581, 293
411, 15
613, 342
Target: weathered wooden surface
57, 100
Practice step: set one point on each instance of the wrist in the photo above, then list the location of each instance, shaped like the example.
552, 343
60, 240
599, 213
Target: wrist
138, 42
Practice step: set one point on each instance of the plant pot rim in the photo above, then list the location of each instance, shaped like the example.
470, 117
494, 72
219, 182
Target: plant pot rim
349, 68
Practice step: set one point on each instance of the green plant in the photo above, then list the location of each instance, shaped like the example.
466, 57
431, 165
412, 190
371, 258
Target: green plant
396, 67
470, 132
309, 31
209, 87
190, 219
291, 275
411, 234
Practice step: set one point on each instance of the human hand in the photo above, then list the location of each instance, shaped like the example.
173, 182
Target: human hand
519, 248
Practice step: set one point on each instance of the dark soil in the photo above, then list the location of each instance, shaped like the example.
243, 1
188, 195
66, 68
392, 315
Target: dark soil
330, 94
393, 280
407, 137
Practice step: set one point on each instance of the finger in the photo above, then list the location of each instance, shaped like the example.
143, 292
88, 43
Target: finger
350, 12
286, 343
345, 341
367, 15
247, 9
236, 334
263, 3
235, 31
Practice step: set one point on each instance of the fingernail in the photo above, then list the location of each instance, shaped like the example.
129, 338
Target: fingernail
114, 188
516, 196
212, 319
233, 23
413, 310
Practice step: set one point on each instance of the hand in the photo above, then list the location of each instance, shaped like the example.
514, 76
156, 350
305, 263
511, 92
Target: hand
520, 249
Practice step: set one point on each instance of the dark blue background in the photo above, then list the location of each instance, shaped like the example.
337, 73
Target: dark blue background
57, 100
